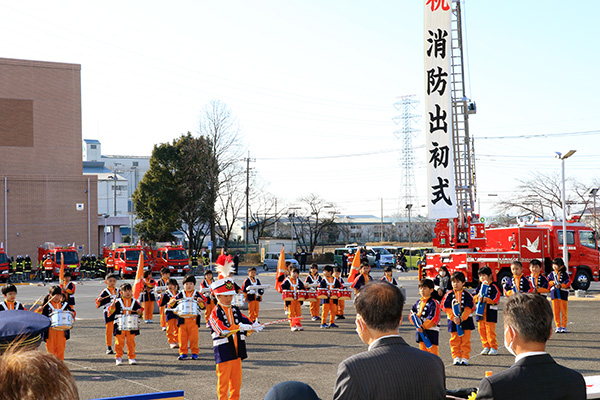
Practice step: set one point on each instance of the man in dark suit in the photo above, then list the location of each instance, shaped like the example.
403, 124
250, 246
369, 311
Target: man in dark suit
535, 374
390, 369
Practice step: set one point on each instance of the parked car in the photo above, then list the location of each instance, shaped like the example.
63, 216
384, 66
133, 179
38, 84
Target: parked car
271, 260
386, 259
414, 254
351, 248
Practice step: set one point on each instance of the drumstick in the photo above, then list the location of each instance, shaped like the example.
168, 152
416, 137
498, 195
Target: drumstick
33, 305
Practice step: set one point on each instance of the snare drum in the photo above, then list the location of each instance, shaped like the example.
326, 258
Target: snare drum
311, 296
187, 308
301, 295
129, 322
322, 293
61, 320
288, 295
335, 293
345, 294
238, 300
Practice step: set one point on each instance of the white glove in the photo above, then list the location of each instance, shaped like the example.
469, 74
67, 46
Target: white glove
224, 333
257, 327
251, 292
245, 327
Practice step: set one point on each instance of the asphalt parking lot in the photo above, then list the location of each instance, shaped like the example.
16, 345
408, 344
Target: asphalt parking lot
276, 354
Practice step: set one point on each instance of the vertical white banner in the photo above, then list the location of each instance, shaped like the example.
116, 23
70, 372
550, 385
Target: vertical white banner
438, 109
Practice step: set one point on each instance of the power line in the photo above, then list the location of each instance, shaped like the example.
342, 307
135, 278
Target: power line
582, 133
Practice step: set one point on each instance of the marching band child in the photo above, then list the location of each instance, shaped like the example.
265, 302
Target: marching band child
329, 305
212, 300
171, 317
427, 309
125, 304
364, 277
147, 297
160, 288
105, 299
313, 278
559, 283
229, 327
56, 340
538, 282
460, 346
517, 283
486, 323
188, 327
68, 289
252, 296
9, 291
387, 276
294, 306
337, 273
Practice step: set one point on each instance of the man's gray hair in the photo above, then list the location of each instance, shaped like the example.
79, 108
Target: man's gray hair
530, 315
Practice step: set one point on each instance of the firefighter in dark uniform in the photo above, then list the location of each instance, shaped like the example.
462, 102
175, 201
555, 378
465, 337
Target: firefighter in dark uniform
194, 260
19, 268
85, 266
101, 268
93, 267
27, 268
12, 270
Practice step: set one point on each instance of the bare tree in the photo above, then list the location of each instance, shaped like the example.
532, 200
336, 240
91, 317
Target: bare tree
230, 203
316, 214
264, 215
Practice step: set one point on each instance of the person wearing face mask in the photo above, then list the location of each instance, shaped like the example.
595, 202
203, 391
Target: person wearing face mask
390, 368
535, 374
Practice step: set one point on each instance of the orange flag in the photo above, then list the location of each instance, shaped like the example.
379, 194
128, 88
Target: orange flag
280, 270
355, 266
138, 285
61, 275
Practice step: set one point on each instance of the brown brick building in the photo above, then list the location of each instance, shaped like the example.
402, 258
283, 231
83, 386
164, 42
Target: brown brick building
44, 197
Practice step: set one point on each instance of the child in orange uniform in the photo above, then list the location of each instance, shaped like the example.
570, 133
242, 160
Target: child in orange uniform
253, 297
427, 309
105, 299
559, 293
229, 328
147, 297
312, 281
56, 340
188, 327
364, 277
337, 273
125, 304
10, 302
539, 283
160, 288
294, 306
517, 283
212, 300
460, 346
68, 288
171, 317
329, 305
487, 321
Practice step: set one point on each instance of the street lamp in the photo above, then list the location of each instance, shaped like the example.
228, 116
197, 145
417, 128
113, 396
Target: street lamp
562, 159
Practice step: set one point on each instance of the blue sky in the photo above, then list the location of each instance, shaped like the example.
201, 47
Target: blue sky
313, 79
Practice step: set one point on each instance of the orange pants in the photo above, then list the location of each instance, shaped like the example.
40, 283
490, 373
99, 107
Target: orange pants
331, 309
295, 309
433, 349
229, 379
314, 309
560, 309
208, 310
109, 333
172, 331
56, 343
253, 307
460, 346
163, 317
148, 310
128, 338
341, 306
188, 333
487, 333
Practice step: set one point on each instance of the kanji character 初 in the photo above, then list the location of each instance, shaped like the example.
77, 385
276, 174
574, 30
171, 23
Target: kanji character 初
436, 81
437, 42
439, 155
435, 5
438, 191
437, 121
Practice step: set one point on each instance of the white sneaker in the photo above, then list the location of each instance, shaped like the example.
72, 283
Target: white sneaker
464, 361
132, 361
164, 328
485, 351
564, 330
294, 329
300, 328
174, 345
493, 352
118, 361
456, 361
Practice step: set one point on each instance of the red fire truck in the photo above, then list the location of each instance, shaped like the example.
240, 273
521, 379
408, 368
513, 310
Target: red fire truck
127, 258
172, 256
4, 265
69, 255
498, 247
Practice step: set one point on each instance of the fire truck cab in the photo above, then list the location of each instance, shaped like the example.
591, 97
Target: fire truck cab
4, 265
126, 260
68, 253
173, 257
499, 247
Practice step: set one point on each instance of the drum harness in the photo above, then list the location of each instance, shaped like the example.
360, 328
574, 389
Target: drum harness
5, 306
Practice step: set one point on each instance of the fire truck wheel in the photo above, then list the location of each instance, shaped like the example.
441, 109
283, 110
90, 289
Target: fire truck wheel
581, 280
502, 277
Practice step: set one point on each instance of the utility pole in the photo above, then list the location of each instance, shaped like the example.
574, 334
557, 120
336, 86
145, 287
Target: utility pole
248, 159
381, 237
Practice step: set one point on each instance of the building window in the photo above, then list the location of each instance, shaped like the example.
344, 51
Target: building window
136, 164
93, 146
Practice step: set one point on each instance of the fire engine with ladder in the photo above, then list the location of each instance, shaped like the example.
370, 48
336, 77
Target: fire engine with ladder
466, 243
